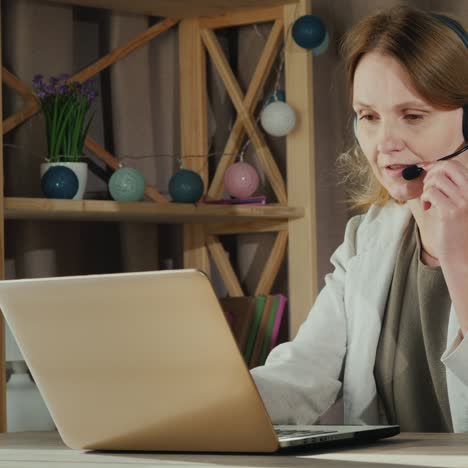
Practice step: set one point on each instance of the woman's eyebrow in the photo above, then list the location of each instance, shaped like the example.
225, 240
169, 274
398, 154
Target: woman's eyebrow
362, 104
412, 104
402, 105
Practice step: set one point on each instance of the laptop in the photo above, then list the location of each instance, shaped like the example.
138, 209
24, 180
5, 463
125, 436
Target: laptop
147, 362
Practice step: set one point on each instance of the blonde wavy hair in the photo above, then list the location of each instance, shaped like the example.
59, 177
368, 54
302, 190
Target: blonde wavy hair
436, 61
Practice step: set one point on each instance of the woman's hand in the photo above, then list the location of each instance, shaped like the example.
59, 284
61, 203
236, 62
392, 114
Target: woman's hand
445, 192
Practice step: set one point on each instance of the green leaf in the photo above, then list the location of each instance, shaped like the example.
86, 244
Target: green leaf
85, 133
63, 128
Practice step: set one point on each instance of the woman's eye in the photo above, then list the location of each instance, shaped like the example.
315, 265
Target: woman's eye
369, 117
414, 117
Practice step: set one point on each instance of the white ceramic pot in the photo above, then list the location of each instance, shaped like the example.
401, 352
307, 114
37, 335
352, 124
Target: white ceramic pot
79, 168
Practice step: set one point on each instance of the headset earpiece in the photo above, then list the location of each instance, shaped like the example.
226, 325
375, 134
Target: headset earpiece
465, 122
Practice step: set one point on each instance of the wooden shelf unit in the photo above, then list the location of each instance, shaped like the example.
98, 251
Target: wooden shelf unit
180, 9
293, 218
108, 210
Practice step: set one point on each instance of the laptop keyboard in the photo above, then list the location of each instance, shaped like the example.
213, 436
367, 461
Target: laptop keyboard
293, 433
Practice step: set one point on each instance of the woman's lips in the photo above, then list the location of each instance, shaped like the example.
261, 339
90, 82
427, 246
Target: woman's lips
396, 170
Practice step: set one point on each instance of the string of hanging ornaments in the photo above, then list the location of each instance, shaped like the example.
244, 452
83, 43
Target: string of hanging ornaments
185, 186
241, 179
277, 117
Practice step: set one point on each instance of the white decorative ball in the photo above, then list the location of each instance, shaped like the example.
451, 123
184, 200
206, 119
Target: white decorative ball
278, 118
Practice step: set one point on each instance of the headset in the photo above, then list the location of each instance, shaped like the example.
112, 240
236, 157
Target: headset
412, 172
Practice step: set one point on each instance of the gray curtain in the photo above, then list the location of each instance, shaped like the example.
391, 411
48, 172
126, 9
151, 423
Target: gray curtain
134, 131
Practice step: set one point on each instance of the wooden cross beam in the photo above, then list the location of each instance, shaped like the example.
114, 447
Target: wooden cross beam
228, 275
266, 158
237, 133
224, 266
245, 124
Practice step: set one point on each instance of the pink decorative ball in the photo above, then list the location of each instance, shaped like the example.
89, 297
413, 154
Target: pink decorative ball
241, 180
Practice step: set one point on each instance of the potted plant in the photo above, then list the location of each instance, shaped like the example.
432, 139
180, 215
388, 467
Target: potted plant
65, 105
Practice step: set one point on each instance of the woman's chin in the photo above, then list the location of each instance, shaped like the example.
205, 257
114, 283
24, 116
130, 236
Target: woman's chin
404, 194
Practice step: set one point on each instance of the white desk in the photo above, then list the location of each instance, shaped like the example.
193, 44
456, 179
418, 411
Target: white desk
45, 450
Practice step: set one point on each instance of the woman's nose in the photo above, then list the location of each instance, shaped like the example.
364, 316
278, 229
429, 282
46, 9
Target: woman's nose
389, 139
389, 145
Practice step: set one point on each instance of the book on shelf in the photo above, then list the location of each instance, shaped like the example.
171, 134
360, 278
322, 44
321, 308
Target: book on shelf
260, 304
269, 331
255, 323
239, 312
282, 299
261, 333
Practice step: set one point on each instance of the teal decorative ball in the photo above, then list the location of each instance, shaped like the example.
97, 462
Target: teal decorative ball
127, 184
186, 186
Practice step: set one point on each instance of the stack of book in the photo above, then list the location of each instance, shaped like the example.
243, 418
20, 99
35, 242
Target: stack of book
255, 323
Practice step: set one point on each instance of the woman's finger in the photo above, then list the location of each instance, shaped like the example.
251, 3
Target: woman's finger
433, 197
454, 170
447, 187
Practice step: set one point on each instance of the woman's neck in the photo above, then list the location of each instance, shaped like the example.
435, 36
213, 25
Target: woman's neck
425, 221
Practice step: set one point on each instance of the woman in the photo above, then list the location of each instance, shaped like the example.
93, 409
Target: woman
388, 329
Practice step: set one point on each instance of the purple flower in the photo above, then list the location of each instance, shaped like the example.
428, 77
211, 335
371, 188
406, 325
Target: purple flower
38, 82
89, 90
63, 89
61, 98
88, 84
63, 76
49, 89
37, 79
92, 95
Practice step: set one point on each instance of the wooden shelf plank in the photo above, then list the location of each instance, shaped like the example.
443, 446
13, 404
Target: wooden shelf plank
177, 8
107, 210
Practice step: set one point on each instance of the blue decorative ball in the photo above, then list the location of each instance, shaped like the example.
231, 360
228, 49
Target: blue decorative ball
323, 47
59, 182
309, 31
278, 95
127, 184
186, 186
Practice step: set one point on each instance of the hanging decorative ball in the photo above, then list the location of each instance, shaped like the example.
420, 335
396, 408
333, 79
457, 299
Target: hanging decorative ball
322, 48
241, 180
309, 31
186, 186
59, 182
127, 184
278, 118
278, 95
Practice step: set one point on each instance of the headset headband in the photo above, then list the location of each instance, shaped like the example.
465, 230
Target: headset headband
454, 26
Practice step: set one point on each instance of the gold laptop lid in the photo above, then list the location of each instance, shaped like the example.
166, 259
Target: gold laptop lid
137, 361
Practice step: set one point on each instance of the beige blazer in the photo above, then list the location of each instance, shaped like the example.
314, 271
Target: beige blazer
334, 351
